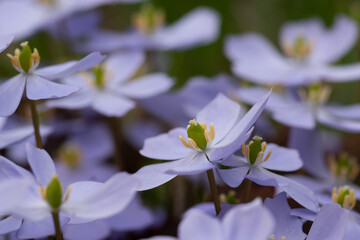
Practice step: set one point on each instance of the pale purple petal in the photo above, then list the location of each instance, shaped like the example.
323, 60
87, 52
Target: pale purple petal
199, 225
134, 217
352, 231
160, 238
166, 146
342, 124
66, 69
8, 169
311, 149
299, 115
123, 66
109, 199
112, 105
251, 95
11, 92
248, 221
39, 229
193, 164
341, 73
223, 113
286, 225
26, 17
9, 224
5, 41
146, 86
234, 176
41, 164
16, 135
198, 27
153, 175
347, 112
282, 159
330, 223
297, 191
77, 100
14, 190
336, 42
90, 231
41, 88
256, 59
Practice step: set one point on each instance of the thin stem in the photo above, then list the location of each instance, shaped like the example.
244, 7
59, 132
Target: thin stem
214, 191
114, 127
36, 123
58, 235
247, 191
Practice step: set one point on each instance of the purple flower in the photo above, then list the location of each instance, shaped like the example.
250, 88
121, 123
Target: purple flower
309, 49
244, 221
109, 89
308, 110
82, 202
39, 82
221, 132
258, 159
199, 27
287, 226
29, 16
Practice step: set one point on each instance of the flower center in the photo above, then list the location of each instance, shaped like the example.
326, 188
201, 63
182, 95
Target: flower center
298, 49
148, 19
344, 167
345, 197
52, 193
254, 151
25, 60
70, 155
199, 136
315, 95
272, 237
97, 77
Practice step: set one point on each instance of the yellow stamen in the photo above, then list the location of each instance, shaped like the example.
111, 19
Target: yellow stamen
67, 193
267, 156
207, 136
203, 124
192, 144
212, 131
184, 142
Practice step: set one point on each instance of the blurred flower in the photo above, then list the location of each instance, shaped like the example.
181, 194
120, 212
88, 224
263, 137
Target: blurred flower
199, 27
342, 170
336, 213
258, 159
82, 202
38, 82
309, 49
287, 226
308, 110
244, 221
108, 87
226, 132
29, 16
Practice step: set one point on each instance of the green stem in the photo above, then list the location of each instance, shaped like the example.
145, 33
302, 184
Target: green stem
214, 191
115, 133
247, 191
58, 235
36, 123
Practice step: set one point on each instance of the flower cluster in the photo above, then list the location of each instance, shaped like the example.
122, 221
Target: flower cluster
118, 146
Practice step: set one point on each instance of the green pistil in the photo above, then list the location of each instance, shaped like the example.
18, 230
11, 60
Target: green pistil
255, 149
25, 57
54, 193
196, 132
